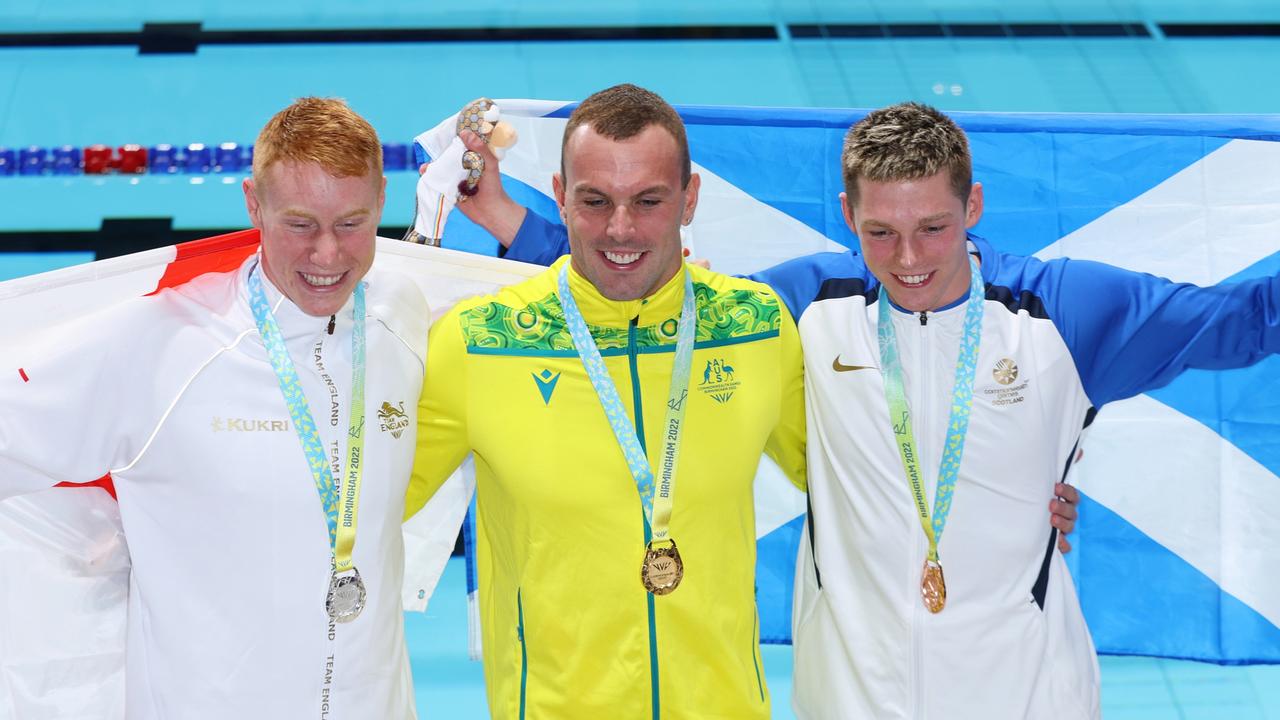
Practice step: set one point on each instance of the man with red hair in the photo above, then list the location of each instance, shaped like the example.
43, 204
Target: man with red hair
237, 416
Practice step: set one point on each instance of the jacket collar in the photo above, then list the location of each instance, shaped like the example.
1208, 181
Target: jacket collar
293, 322
601, 311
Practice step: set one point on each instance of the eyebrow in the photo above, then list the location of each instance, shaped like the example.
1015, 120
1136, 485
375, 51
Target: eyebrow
311, 216
945, 215
653, 189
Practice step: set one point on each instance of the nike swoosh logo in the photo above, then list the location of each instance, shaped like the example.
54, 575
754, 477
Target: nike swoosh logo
839, 367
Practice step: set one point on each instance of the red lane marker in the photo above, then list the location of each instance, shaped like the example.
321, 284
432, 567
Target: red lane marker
23, 373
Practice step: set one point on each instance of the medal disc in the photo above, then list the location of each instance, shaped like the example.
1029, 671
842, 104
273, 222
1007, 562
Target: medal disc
346, 597
933, 587
662, 569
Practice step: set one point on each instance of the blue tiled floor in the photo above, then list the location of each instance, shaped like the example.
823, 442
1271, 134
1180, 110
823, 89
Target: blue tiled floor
450, 686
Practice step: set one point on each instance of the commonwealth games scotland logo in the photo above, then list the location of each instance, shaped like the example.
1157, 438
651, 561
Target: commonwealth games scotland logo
1005, 371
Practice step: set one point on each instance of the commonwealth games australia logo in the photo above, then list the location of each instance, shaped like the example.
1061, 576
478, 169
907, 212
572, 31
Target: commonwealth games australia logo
718, 380
1005, 371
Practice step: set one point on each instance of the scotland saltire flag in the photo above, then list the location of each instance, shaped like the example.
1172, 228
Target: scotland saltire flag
1175, 551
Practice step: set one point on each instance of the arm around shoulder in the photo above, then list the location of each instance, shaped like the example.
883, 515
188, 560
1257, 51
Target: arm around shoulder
786, 444
442, 437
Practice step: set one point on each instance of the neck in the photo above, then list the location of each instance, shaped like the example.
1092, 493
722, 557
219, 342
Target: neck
949, 299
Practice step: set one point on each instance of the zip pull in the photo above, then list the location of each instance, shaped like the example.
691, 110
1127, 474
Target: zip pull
333, 319
924, 318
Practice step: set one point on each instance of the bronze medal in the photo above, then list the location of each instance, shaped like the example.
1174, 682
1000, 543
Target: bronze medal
662, 569
933, 587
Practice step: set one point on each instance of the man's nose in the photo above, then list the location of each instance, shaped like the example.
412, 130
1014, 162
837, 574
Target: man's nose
326, 248
908, 253
621, 223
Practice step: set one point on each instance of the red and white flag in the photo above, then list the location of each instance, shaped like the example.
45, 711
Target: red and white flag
64, 559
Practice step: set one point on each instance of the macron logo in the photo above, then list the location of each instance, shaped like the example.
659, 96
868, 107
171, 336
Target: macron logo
546, 384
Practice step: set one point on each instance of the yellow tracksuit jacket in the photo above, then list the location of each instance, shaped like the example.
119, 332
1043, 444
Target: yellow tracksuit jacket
568, 629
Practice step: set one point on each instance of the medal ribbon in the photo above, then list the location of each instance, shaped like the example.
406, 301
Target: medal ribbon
657, 499
342, 531
961, 403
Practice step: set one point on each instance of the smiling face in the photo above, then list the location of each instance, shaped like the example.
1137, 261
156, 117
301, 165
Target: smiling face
623, 204
317, 231
913, 239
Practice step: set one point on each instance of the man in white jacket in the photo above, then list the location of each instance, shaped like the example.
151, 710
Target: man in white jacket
948, 386
252, 424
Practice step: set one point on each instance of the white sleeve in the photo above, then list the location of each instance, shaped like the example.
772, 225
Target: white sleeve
64, 616
65, 400
65, 404
429, 536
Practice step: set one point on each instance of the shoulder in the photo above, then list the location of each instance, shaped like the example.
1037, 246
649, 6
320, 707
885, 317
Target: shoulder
821, 276
732, 307
1056, 287
524, 315
396, 302
205, 306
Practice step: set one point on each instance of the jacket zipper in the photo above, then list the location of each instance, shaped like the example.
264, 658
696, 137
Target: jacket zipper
755, 652
637, 404
524, 652
919, 412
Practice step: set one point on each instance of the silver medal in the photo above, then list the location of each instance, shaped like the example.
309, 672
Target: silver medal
346, 597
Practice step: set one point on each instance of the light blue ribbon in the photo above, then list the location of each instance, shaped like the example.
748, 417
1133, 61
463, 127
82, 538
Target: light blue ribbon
961, 403
661, 495
300, 411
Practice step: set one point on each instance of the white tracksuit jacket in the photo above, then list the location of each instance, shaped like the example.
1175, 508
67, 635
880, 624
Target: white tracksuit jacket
1065, 337
173, 395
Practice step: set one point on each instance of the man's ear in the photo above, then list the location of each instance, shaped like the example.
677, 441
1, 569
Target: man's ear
973, 208
251, 202
557, 188
690, 199
846, 210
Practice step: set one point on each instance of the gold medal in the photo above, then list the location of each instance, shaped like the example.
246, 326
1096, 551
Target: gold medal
933, 587
662, 569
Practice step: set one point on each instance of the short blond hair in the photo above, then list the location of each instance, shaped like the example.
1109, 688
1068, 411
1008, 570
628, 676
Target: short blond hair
623, 112
325, 131
907, 141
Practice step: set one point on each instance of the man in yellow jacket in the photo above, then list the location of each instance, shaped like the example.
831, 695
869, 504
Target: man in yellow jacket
617, 405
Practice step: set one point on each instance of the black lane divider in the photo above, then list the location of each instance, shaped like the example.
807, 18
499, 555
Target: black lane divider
177, 38
1028, 31
186, 38
122, 236
1221, 30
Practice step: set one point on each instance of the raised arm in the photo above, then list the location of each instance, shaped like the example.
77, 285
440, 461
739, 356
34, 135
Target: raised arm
491, 207
524, 235
1132, 332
